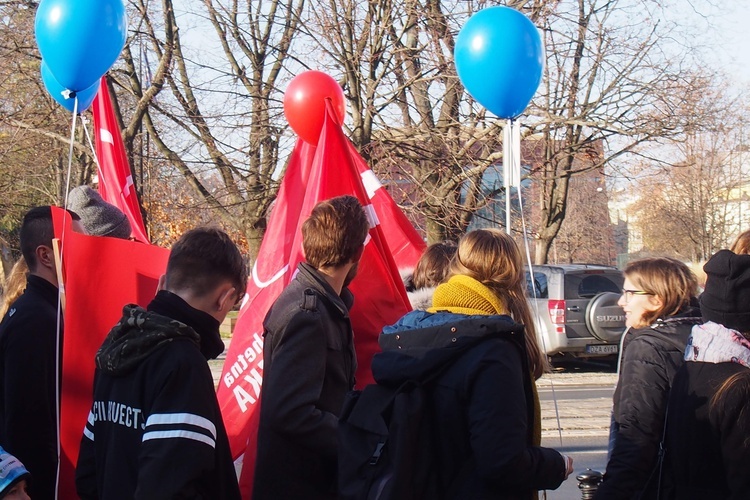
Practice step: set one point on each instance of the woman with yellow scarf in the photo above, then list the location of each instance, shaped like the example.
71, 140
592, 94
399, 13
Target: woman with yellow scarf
484, 398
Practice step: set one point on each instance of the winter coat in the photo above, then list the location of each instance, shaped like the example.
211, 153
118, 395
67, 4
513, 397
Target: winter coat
309, 365
651, 357
708, 444
155, 428
28, 339
483, 401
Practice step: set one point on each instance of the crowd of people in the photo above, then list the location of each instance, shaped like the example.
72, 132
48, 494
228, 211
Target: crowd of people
680, 420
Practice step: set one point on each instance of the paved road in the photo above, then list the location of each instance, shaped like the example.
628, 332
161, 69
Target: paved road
584, 401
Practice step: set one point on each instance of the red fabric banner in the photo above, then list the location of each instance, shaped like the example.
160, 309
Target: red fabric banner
115, 178
101, 276
332, 169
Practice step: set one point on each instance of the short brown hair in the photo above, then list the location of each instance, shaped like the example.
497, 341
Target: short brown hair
204, 258
668, 279
433, 265
334, 232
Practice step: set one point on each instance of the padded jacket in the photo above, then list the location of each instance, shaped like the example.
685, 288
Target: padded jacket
708, 443
482, 398
651, 357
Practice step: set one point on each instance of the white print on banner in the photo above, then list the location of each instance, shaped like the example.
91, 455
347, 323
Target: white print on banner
118, 413
263, 284
240, 371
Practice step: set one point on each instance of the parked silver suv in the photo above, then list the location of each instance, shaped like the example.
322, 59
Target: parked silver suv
575, 308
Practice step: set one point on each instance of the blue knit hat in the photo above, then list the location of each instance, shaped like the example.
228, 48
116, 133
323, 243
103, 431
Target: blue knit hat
11, 471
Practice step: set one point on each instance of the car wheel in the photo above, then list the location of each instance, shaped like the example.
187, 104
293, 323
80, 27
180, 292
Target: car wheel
604, 318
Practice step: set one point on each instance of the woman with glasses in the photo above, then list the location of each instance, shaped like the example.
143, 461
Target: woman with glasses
658, 298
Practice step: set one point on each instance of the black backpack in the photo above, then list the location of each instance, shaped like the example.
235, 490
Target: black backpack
385, 444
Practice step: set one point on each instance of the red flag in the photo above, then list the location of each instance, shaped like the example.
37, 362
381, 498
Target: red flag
115, 178
332, 169
101, 276
404, 241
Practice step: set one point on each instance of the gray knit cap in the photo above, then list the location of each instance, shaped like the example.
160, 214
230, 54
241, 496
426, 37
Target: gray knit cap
98, 217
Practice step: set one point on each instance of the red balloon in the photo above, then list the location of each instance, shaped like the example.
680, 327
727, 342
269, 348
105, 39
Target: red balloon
305, 103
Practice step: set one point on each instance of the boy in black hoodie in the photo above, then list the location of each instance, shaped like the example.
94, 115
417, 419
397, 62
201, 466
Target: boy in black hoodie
155, 428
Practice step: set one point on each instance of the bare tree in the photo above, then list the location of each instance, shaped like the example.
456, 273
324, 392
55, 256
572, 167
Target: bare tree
219, 123
699, 205
34, 130
608, 78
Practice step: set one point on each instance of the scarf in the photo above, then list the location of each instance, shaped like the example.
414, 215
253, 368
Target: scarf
715, 343
465, 295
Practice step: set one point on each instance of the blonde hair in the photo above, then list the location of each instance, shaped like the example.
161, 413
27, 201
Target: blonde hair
742, 243
668, 279
15, 284
493, 258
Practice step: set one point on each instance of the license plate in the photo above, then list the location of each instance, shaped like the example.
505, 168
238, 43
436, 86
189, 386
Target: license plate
601, 349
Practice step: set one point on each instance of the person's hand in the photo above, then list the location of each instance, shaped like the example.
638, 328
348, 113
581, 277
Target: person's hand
568, 466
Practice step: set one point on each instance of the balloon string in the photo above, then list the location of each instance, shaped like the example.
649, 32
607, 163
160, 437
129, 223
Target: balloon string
515, 140
91, 144
60, 292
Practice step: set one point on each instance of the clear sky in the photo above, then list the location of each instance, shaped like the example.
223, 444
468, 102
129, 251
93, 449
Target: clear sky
728, 36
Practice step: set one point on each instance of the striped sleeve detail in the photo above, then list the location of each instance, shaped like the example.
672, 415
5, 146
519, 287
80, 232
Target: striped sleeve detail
88, 429
180, 426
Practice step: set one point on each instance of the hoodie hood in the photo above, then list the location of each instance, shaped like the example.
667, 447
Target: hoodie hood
422, 343
715, 343
138, 334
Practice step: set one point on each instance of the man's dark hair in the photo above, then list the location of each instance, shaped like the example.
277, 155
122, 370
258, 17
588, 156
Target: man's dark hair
334, 232
204, 258
36, 229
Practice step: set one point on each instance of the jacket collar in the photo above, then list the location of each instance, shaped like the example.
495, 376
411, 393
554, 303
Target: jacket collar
41, 286
206, 326
312, 278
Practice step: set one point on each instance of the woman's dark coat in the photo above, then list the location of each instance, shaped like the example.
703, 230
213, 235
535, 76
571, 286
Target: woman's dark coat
483, 400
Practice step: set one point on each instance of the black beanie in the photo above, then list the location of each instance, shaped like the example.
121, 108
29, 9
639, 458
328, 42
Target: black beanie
726, 298
98, 217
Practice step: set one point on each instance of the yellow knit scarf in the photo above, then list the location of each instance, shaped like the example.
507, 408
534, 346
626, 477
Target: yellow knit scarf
465, 295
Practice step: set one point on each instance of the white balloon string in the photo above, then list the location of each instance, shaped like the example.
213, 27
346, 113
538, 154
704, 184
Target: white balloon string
91, 144
514, 143
60, 292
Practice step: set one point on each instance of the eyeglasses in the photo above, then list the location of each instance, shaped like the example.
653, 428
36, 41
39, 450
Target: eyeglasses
628, 294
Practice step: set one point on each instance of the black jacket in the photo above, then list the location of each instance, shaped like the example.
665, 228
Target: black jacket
309, 365
651, 357
155, 429
28, 341
483, 400
708, 444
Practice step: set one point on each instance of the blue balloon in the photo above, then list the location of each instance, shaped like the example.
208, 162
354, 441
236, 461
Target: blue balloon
499, 58
65, 96
80, 39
